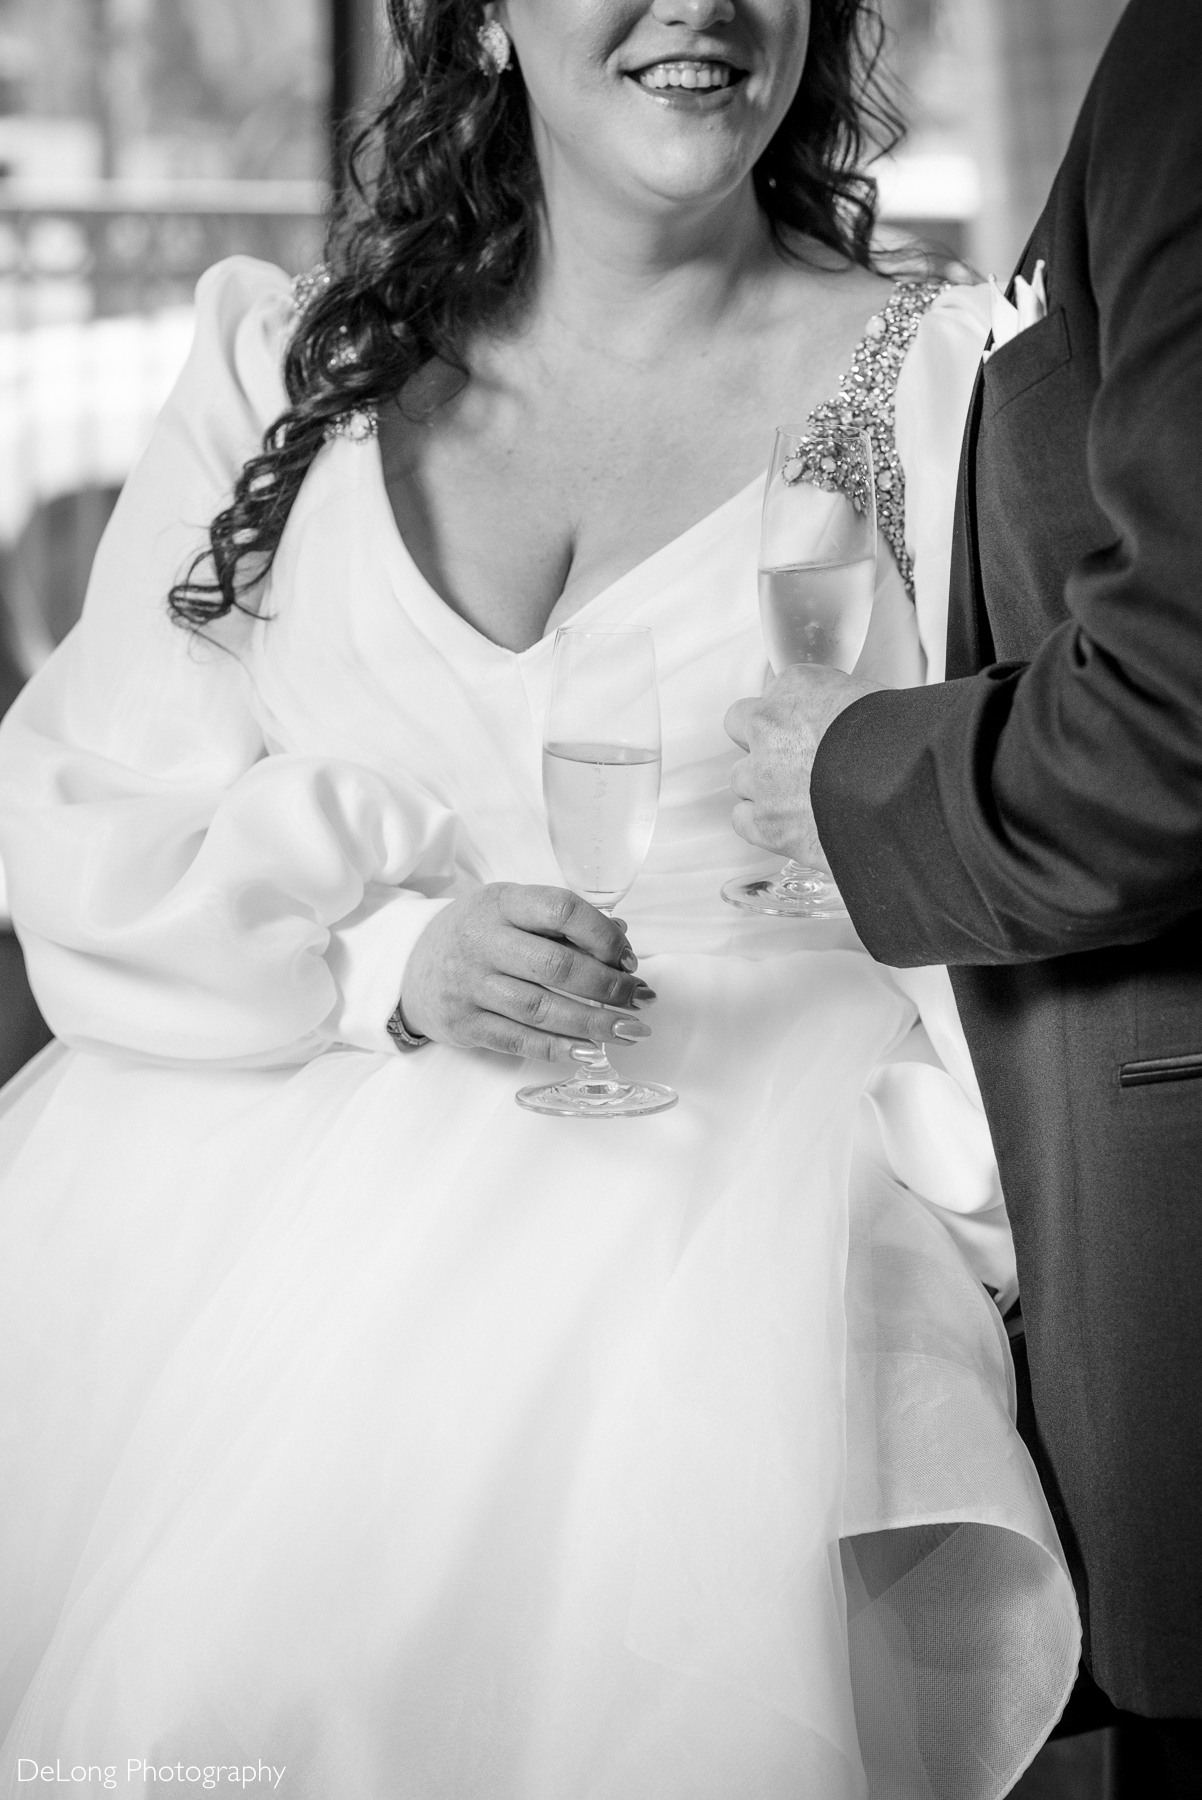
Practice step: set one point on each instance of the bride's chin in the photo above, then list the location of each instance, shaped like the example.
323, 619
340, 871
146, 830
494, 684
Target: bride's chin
678, 170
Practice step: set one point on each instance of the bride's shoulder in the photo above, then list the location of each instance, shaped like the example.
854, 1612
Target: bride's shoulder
958, 317
944, 354
245, 311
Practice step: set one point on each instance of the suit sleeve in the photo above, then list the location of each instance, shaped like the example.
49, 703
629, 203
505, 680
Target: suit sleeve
1037, 810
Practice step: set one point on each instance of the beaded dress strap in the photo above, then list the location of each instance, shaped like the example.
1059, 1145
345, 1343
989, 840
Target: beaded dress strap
865, 402
363, 423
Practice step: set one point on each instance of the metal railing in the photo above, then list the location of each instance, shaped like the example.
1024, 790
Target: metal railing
96, 284
100, 249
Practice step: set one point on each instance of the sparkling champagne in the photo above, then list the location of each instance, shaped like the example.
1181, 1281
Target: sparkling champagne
817, 612
601, 802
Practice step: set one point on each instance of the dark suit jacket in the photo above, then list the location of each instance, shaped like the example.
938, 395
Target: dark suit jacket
1036, 822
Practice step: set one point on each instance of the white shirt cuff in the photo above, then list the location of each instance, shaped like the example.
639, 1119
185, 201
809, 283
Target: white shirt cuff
367, 957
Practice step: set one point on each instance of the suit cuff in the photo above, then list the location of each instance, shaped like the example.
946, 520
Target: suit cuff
367, 957
884, 787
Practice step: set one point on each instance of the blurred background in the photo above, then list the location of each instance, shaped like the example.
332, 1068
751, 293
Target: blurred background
141, 140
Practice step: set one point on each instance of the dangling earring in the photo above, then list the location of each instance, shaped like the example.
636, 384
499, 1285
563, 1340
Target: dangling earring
496, 51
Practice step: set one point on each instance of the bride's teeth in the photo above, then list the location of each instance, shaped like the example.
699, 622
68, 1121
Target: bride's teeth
686, 75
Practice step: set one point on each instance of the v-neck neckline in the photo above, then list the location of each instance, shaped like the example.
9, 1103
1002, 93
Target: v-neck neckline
444, 617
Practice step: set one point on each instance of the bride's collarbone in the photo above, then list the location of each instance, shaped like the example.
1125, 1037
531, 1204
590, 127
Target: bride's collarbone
520, 498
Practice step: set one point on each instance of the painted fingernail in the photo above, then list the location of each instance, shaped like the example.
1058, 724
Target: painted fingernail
631, 1030
621, 925
630, 961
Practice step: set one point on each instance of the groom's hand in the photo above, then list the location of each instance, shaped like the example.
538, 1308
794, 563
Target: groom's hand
781, 732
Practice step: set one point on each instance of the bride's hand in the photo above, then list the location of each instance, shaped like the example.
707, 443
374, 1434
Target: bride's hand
485, 971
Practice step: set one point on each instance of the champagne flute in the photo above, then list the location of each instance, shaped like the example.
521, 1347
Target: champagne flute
601, 766
817, 581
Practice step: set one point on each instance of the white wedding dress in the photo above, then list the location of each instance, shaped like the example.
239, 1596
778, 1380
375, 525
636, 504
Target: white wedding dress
357, 1422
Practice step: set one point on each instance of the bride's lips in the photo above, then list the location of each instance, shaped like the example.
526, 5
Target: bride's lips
695, 83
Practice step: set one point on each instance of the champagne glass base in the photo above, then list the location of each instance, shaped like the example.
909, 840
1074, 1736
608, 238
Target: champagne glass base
792, 893
606, 1098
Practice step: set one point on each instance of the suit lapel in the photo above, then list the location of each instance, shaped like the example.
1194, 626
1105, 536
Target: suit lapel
969, 638
970, 645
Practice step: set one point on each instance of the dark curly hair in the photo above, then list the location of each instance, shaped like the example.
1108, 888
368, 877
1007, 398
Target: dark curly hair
437, 227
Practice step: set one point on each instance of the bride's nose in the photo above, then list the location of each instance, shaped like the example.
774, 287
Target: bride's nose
698, 15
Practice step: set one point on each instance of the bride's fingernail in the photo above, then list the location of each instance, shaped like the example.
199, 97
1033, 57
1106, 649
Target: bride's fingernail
630, 961
631, 1030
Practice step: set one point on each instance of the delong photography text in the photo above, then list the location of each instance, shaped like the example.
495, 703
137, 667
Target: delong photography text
207, 1775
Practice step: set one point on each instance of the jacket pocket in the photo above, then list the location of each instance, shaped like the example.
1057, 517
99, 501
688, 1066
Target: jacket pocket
1161, 1068
1027, 359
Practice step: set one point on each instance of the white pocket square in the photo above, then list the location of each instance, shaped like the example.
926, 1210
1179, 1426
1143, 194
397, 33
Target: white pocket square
1008, 318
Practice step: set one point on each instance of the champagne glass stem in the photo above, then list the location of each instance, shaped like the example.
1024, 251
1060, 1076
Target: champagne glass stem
595, 1077
595, 1090
595, 1074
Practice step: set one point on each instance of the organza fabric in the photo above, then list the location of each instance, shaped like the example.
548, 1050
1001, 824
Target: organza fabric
358, 1422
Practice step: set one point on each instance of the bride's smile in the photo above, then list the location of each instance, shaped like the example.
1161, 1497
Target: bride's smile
667, 99
689, 81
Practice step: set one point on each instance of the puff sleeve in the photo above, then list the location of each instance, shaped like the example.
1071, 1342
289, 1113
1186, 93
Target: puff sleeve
180, 893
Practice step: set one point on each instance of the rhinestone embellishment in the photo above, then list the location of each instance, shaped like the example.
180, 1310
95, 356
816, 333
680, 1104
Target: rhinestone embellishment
306, 286
359, 425
865, 402
837, 464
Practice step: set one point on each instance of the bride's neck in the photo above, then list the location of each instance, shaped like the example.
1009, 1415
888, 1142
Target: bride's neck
628, 278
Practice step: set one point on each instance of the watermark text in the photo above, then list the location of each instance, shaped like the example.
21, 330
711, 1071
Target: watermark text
202, 1775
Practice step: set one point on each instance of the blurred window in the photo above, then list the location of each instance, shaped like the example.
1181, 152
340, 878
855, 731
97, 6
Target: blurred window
140, 141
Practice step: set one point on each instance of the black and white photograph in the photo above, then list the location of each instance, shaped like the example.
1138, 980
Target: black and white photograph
601, 899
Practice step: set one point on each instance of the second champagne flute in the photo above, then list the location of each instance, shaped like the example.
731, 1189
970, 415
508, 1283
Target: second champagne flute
817, 582
601, 765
